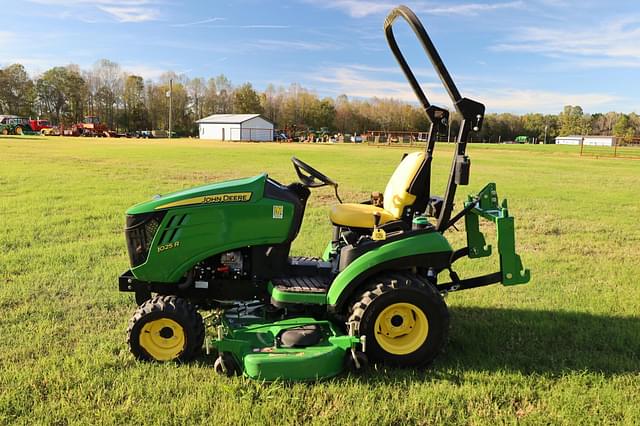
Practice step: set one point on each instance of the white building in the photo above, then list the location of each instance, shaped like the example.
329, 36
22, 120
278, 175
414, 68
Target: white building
586, 140
235, 127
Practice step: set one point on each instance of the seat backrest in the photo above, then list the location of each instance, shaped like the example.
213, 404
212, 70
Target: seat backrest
396, 194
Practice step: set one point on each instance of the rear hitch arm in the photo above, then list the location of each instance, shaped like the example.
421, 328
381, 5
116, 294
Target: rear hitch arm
485, 205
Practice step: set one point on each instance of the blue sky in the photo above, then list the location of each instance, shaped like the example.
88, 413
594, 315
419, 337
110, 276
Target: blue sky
513, 55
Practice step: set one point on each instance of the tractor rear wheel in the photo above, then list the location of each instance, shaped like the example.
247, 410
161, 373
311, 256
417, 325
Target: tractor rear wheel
5, 131
18, 130
165, 328
404, 319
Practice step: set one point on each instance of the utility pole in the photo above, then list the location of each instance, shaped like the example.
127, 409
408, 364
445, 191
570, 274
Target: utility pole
170, 96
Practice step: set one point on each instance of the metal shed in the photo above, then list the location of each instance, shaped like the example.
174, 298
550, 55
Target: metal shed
235, 127
586, 140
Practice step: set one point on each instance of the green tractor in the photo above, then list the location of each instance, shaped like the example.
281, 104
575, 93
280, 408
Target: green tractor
375, 295
13, 125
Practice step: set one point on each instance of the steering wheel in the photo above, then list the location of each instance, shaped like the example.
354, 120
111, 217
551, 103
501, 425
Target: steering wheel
313, 178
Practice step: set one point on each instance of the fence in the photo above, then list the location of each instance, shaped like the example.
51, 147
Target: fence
619, 148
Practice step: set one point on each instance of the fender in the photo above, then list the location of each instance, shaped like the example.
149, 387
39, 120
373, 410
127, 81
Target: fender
422, 250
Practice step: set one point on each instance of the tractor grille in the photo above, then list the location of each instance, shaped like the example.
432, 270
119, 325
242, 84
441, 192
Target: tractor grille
139, 232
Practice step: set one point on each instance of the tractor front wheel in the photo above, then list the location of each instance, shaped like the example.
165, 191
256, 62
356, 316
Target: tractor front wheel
404, 319
165, 328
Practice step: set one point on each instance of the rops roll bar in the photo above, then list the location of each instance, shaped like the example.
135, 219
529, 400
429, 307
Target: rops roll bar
472, 112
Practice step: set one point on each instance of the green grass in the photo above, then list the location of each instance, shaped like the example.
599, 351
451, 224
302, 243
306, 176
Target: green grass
564, 349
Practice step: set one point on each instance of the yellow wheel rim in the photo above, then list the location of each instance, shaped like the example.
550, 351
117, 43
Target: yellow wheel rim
19, 130
401, 328
163, 339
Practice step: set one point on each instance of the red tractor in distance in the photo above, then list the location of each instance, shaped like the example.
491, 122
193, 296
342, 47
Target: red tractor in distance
90, 126
42, 126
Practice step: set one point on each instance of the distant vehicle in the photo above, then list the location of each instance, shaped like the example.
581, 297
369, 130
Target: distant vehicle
90, 126
14, 125
356, 138
144, 134
44, 127
522, 139
279, 136
39, 125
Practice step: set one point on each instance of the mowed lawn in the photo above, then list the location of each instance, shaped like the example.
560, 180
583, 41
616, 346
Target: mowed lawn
564, 349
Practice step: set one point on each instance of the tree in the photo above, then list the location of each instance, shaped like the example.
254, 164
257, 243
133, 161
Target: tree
135, 114
76, 92
224, 99
109, 86
246, 100
17, 92
623, 129
573, 121
52, 89
196, 90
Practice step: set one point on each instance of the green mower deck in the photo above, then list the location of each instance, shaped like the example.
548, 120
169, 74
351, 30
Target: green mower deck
256, 346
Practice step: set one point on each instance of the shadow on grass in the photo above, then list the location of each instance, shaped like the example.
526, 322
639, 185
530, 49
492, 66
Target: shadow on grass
548, 343
21, 138
542, 341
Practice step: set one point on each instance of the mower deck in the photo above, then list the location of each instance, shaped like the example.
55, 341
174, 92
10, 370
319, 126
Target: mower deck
263, 351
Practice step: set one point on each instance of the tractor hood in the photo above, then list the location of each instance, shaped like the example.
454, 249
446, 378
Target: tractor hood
237, 190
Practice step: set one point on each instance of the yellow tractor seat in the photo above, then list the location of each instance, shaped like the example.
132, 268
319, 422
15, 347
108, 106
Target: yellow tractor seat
358, 215
396, 197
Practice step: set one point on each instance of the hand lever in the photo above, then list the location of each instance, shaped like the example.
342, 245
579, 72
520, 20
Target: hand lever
378, 234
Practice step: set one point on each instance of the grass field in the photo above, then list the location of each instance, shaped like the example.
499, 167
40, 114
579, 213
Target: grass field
564, 349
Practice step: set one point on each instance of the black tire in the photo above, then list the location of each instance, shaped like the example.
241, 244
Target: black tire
416, 297
168, 321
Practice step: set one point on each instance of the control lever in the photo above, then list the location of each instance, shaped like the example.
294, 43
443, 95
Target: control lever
378, 234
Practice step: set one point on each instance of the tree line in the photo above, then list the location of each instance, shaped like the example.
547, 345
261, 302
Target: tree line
128, 102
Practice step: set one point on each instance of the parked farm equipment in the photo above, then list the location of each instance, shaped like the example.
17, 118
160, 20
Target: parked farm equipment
14, 125
91, 127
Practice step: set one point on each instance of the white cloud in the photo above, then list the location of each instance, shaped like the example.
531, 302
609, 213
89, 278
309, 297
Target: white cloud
355, 8
362, 8
7, 37
359, 81
145, 71
202, 22
120, 10
614, 44
470, 9
293, 45
131, 13
353, 82
544, 101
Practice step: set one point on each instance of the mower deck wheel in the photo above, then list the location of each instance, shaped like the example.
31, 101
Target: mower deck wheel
350, 363
226, 365
165, 328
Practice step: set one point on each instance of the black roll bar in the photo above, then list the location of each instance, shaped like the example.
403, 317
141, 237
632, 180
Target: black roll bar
472, 112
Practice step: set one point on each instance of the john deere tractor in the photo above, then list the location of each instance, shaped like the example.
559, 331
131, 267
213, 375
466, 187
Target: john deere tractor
375, 294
